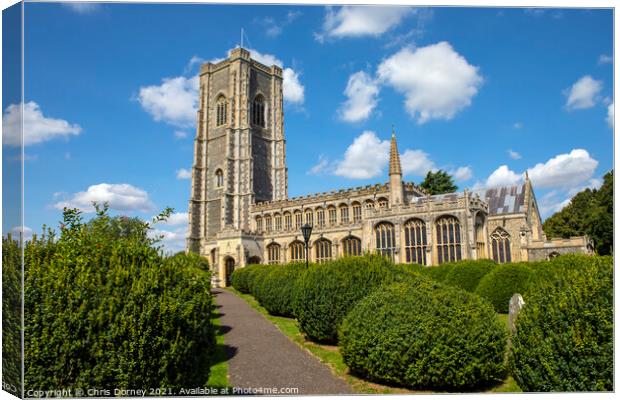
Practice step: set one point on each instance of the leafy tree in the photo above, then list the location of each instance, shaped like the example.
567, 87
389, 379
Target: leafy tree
438, 182
590, 212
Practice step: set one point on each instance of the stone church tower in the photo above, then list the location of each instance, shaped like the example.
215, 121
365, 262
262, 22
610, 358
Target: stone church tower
239, 149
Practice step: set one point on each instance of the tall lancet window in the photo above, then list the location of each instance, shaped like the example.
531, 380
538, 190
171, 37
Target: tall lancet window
258, 111
221, 111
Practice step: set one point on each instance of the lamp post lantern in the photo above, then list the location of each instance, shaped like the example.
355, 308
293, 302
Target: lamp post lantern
306, 231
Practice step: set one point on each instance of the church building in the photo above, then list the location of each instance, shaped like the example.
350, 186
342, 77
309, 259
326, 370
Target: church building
240, 212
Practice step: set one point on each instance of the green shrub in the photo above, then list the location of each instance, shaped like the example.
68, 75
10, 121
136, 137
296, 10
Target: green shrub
106, 310
11, 315
424, 335
499, 285
256, 277
328, 291
467, 274
241, 278
439, 272
564, 337
277, 287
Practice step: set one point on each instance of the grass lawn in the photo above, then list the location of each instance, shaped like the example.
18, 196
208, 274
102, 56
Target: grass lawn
330, 355
218, 378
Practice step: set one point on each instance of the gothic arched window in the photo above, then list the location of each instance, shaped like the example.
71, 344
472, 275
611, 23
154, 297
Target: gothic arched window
500, 246
298, 219
384, 239
288, 221
320, 217
268, 223
273, 253
221, 111
259, 224
344, 214
323, 250
219, 178
309, 217
298, 252
415, 241
277, 220
357, 212
258, 111
448, 231
333, 219
352, 246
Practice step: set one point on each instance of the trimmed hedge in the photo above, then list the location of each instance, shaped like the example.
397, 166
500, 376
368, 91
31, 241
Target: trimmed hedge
328, 291
564, 337
424, 335
242, 277
106, 310
276, 289
467, 274
499, 285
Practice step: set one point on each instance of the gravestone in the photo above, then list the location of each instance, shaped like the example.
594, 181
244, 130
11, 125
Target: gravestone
515, 306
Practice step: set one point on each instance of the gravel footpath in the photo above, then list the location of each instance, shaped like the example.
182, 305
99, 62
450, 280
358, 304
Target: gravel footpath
260, 356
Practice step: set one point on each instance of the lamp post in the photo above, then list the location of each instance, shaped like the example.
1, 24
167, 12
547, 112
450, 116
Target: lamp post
306, 231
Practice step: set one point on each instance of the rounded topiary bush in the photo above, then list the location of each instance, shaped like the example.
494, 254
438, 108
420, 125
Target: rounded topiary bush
439, 272
424, 335
467, 274
276, 290
505, 280
564, 336
328, 291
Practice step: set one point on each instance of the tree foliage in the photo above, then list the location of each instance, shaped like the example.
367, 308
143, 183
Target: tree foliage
590, 212
438, 182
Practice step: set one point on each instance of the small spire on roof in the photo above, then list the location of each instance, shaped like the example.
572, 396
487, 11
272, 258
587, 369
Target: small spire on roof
395, 168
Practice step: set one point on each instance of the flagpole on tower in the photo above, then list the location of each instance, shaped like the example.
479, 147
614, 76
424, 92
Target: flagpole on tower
242, 37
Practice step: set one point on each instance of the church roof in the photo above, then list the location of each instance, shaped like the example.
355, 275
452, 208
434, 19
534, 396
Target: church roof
504, 199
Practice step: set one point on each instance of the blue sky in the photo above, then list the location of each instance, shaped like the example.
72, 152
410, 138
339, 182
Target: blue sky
484, 93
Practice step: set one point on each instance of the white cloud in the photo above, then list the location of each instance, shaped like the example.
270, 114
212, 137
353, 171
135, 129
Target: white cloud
462, 174
184, 173
175, 219
292, 87
364, 158
82, 8
120, 197
17, 230
605, 59
551, 203
357, 21
437, 81
610, 115
361, 92
195, 60
172, 232
564, 170
517, 125
175, 101
503, 176
583, 94
180, 134
416, 162
37, 127
173, 240
322, 166
514, 155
